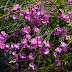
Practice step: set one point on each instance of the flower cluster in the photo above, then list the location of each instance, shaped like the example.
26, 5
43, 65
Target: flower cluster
15, 15
62, 31
65, 17
4, 36
34, 15
58, 50
63, 46
45, 50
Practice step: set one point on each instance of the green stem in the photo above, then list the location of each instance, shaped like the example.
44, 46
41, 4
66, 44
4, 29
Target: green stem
69, 42
20, 51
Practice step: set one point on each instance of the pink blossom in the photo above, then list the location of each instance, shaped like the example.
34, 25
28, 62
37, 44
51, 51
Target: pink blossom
35, 29
4, 17
31, 56
6, 10
58, 49
15, 16
17, 6
33, 66
55, 54
34, 41
15, 56
22, 55
44, 51
57, 62
57, 31
63, 44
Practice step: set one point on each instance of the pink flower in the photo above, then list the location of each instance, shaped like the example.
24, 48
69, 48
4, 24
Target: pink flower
34, 41
62, 13
15, 16
4, 17
2, 45
64, 49
6, 10
14, 53
15, 46
22, 55
55, 54
27, 28
57, 62
15, 34
69, 1
44, 51
46, 44
33, 66
31, 56
7, 45
35, 29
24, 41
11, 11
28, 36
53, 8
22, 31
17, 6
63, 44
58, 49
15, 56
63, 35
57, 18
1, 38
21, 13
57, 31
46, 32
47, 2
